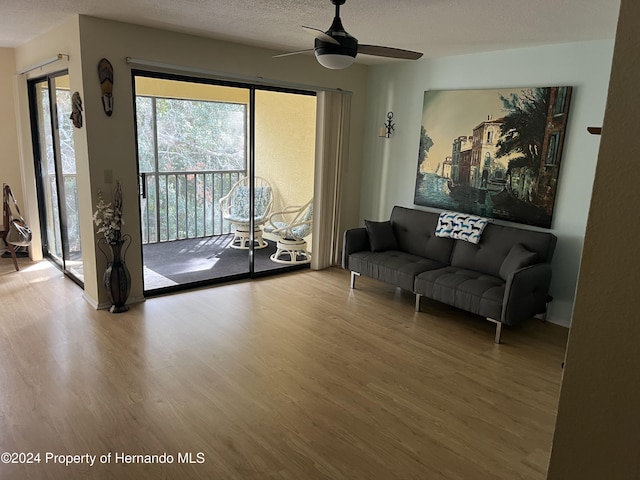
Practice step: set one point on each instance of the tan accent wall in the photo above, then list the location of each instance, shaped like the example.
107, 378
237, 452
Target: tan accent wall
9, 155
157, 87
598, 424
285, 145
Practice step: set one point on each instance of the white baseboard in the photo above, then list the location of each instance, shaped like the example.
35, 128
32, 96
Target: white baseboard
106, 305
91, 301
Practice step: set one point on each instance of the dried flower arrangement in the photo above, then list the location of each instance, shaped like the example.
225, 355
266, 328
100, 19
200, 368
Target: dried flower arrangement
108, 216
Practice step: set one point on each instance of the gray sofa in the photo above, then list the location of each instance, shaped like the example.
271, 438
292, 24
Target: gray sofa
504, 278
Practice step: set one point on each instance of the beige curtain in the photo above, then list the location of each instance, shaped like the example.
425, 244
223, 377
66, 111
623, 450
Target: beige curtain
332, 146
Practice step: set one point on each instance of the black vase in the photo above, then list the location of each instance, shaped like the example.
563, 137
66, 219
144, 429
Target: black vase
117, 279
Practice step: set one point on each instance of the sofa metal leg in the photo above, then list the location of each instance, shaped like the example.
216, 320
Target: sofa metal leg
546, 308
498, 332
418, 297
498, 329
353, 279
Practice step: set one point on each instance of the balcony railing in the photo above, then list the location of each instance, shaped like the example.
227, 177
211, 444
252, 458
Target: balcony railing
180, 205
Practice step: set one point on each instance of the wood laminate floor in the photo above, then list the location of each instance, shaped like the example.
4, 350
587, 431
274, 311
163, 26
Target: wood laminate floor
291, 378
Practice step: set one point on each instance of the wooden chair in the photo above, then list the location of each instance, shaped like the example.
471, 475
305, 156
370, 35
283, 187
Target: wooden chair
6, 189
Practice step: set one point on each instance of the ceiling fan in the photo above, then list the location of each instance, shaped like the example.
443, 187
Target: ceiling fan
336, 49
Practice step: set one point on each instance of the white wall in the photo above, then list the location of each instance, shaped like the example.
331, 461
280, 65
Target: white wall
389, 167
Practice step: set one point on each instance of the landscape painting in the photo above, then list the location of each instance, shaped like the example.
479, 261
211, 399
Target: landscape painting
494, 153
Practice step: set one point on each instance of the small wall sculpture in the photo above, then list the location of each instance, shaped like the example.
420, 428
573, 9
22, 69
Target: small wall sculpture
105, 73
76, 110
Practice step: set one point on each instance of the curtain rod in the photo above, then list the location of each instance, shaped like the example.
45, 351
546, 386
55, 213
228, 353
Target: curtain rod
234, 77
44, 63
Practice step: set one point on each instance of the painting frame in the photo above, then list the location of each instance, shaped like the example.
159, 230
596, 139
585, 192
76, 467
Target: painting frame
493, 152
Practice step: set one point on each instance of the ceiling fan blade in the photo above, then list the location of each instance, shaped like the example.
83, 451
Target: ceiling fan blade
388, 52
293, 53
319, 34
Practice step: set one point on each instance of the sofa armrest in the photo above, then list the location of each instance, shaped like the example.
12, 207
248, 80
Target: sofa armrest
355, 240
526, 293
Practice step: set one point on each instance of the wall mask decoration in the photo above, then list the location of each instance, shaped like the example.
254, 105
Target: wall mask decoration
494, 153
76, 110
105, 73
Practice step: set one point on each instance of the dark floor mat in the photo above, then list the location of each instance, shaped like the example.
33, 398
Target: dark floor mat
200, 259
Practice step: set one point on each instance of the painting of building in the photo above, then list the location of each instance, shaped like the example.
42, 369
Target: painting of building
494, 153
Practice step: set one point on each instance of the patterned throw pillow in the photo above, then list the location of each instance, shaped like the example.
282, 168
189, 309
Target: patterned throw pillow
445, 224
461, 226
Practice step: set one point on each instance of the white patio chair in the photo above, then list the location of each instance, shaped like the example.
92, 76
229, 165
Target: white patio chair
235, 209
292, 225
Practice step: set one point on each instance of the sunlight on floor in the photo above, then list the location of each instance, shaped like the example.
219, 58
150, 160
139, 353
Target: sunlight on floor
37, 272
155, 280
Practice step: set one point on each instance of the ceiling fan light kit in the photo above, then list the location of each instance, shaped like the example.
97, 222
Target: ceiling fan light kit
334, 61
336, 49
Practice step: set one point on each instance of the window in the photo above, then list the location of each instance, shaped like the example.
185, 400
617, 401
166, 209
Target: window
192, 135
552, 149
561, 98
189, 153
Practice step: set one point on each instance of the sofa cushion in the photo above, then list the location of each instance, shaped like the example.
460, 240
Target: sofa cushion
381, 236
472, 291
496, 243
415, 233
517, 258
394, 267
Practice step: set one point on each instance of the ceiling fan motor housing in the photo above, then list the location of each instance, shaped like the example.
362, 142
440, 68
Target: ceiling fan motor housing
336, 49
347, 44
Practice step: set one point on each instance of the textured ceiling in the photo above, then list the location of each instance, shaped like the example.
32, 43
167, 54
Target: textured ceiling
434, 27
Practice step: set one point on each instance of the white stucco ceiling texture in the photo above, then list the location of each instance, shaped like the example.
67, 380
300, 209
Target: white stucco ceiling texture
433, 27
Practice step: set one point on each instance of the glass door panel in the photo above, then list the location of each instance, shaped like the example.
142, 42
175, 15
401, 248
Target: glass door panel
192, 149
285, 144
67, 182
52, 243
54, 155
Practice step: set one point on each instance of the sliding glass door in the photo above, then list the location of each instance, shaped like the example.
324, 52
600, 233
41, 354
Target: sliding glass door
54, 154
215, 160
